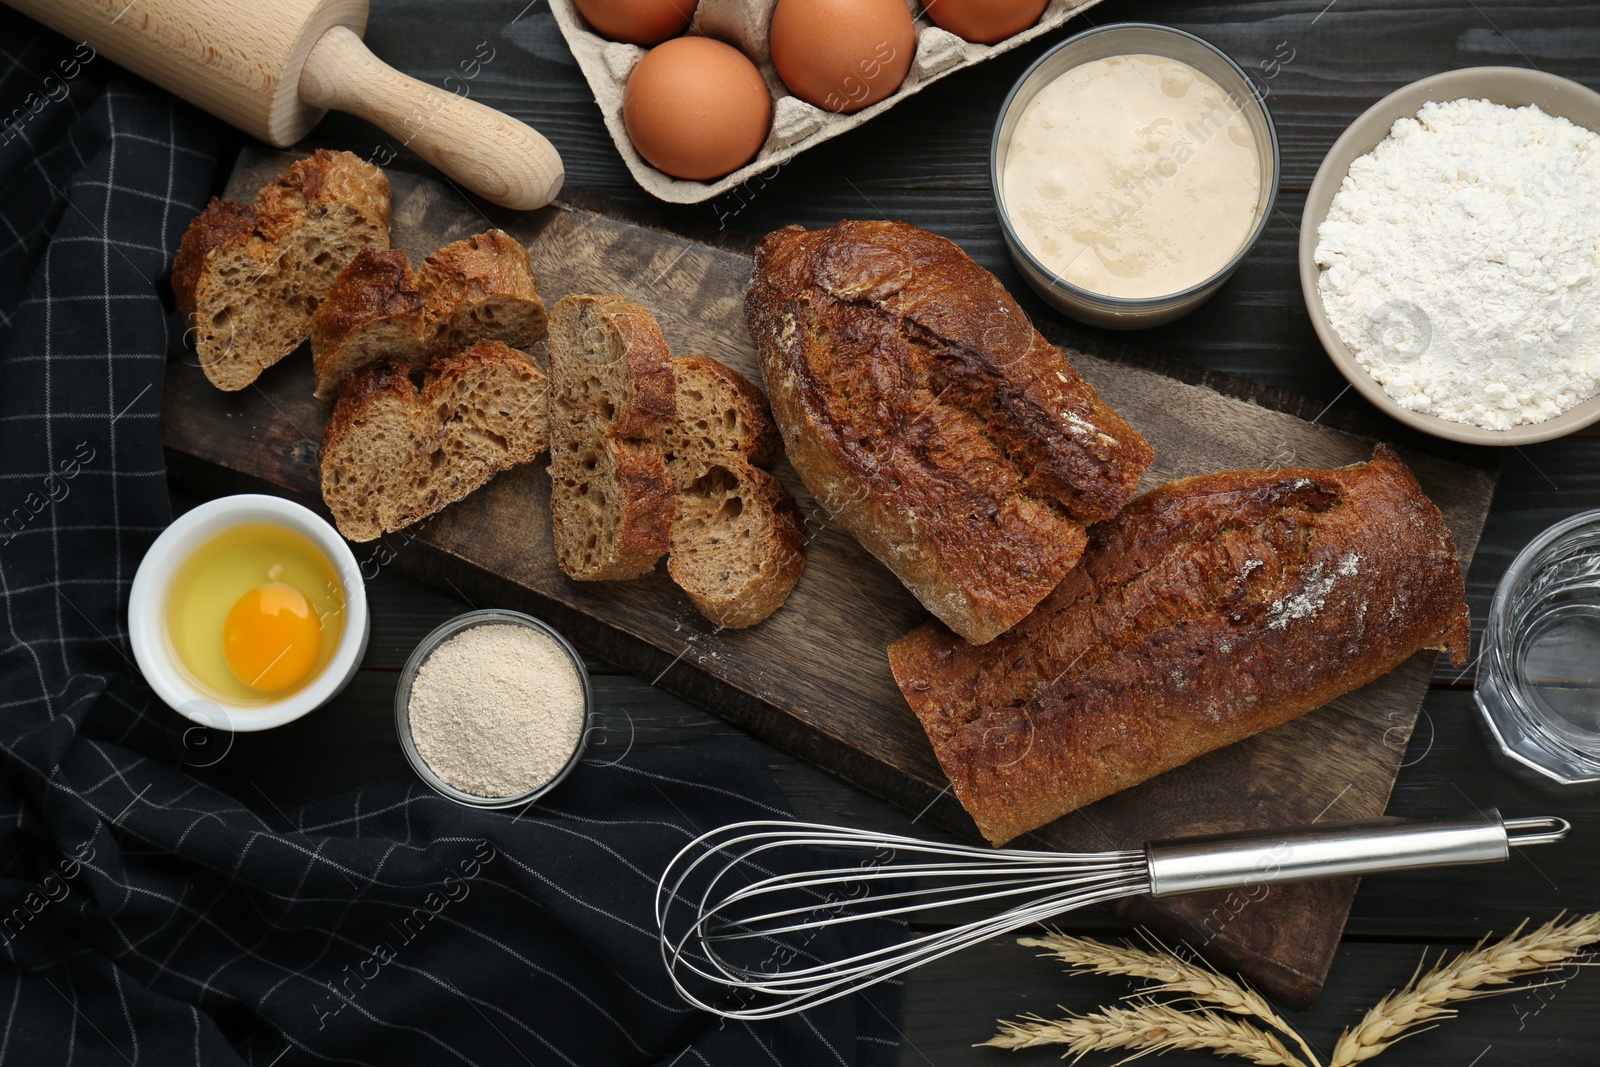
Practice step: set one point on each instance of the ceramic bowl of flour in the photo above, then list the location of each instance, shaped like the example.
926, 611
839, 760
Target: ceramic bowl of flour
1444, 341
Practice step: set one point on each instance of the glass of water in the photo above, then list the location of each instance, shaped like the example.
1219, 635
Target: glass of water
1538, 682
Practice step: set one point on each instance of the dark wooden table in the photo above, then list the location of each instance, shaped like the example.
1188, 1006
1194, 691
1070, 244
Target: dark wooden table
926, 163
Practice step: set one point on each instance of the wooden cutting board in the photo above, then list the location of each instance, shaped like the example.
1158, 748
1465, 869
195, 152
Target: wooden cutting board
814, 678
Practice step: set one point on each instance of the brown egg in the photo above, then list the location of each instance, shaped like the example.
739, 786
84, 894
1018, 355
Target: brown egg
645, 22
985, 21
696, 108
842, 55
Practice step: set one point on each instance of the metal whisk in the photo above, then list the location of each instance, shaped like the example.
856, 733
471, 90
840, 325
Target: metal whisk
745, 925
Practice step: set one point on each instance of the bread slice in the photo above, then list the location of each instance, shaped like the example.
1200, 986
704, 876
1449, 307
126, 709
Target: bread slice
611, 398
374, 311
392, 456
480, 288
248, 277
922, 409
1210, 609
737, 547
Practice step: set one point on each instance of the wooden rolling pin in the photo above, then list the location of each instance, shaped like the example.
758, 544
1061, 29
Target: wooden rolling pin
273, 68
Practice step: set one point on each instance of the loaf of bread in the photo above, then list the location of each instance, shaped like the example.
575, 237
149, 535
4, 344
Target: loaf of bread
737, 546
612, 396
247, 278
392, 456
1210, 609
481, 288
925, 413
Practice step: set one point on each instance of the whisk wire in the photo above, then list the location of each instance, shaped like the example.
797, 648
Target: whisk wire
707, 930
773, 905
795, 990
918, 947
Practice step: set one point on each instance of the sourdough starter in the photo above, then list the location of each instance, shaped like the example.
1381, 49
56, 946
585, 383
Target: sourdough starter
1132, 176
1459, 260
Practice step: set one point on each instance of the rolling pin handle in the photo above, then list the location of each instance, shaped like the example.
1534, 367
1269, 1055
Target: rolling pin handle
502, 160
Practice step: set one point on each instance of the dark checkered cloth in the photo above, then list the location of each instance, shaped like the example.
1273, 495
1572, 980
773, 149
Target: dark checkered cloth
150, 919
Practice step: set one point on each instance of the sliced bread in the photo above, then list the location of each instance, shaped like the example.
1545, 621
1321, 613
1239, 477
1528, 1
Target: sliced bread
392, 456
737, 547
482, 287
479, 288
247, 278
373, 312
611, 398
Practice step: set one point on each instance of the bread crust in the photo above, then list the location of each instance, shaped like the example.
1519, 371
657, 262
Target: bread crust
358, 394
222, 224
922, 409
651, 400
323, 181
1210, 609
482, 269
646, 529
378, 284
378, 290
247, 278
478, 288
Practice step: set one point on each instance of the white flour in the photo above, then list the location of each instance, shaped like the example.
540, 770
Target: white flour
1460, 260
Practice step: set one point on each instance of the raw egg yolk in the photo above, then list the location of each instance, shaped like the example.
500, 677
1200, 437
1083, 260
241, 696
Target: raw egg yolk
272, 637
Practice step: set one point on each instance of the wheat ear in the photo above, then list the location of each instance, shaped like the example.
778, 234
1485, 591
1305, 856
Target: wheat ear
1169, 972
1147, 1027
1463, 978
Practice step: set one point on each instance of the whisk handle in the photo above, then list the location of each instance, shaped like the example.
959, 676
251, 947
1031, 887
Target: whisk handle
1194, 865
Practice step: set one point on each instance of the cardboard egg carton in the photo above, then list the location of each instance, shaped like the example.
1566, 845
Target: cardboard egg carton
796, 125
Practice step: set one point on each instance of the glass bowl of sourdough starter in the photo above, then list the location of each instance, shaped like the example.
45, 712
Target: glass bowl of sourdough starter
1538, 683
1402, 328
1150, 228
483, 755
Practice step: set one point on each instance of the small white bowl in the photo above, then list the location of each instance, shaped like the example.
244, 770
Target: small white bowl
147, 613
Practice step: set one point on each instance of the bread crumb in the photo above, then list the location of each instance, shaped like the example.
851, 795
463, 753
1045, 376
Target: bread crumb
497, 710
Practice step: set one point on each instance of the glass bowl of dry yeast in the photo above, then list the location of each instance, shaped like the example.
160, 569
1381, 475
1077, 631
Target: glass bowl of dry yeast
493, 709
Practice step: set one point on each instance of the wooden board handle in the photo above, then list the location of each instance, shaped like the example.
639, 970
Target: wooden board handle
492, 154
